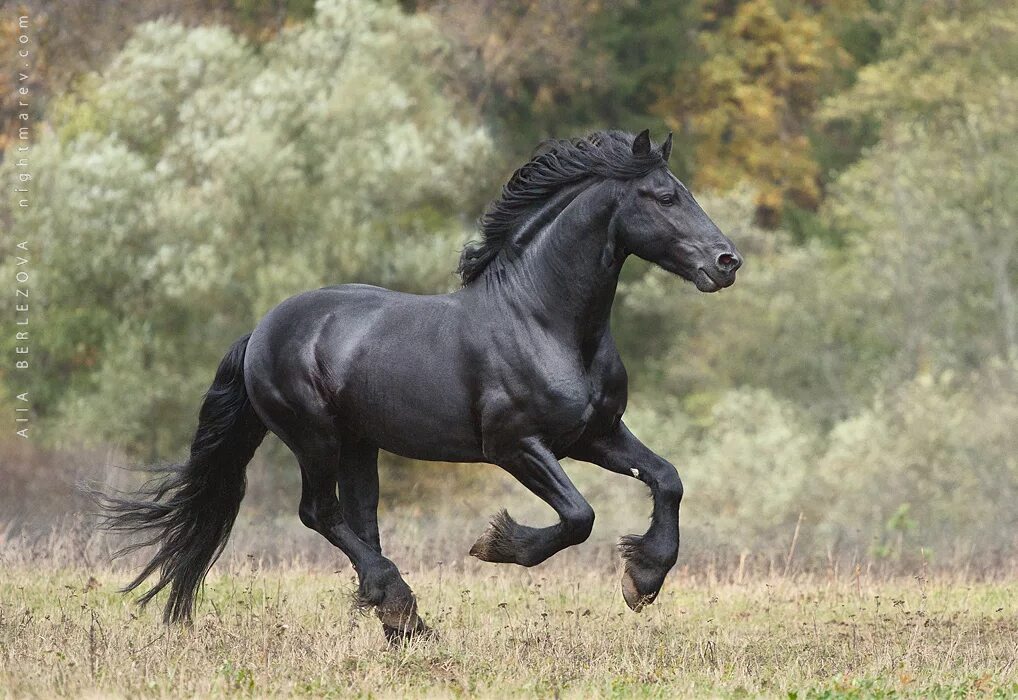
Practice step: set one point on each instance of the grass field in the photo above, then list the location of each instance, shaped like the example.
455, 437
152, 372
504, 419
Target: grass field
505, 632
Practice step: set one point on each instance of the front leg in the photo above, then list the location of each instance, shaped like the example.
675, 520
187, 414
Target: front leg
648, 558
535, 467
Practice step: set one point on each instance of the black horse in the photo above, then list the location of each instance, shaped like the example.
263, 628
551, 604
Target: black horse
517, 368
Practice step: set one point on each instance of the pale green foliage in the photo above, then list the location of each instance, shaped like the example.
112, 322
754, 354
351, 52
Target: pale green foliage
197, 182
147, 87
937, 199
926, 461
126, 406
944, 448
940, 229
750, 470
946, 60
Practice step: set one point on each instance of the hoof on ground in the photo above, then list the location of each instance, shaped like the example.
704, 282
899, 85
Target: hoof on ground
642, 577
397, 611
401, 624
404, 634
634, 599
497, 545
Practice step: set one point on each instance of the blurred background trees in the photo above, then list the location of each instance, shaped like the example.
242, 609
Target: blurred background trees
199, 179
196, 166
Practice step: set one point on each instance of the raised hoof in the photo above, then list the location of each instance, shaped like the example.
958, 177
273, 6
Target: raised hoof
642, 577
496, 545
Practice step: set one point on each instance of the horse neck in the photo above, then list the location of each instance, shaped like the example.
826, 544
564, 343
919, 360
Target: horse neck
565, 269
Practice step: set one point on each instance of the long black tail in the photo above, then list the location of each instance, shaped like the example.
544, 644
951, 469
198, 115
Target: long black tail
188, 509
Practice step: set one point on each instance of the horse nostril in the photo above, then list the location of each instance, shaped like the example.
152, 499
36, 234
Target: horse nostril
728, 262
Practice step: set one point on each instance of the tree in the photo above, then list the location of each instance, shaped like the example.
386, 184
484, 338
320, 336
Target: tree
765, 67
939, 193
70, 38
560, 68
197, 181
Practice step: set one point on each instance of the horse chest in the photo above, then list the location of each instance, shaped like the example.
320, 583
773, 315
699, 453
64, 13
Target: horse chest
541, 385
565, 400
592, 409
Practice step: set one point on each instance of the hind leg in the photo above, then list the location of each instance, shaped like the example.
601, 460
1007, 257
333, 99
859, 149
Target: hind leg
358, 489
381, 585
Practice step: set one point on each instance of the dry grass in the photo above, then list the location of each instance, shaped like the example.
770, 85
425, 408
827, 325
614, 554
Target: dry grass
504, 631
277, 618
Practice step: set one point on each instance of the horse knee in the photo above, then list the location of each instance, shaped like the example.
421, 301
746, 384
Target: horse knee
577, 523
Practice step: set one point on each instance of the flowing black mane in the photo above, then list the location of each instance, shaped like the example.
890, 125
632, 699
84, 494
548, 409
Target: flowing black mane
606, 154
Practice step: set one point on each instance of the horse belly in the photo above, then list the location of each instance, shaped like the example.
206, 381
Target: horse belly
410, 420
407, 396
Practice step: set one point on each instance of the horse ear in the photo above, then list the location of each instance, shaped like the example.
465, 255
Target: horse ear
641, 144
666, 147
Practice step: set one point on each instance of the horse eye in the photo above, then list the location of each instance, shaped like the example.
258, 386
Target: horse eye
666, 200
